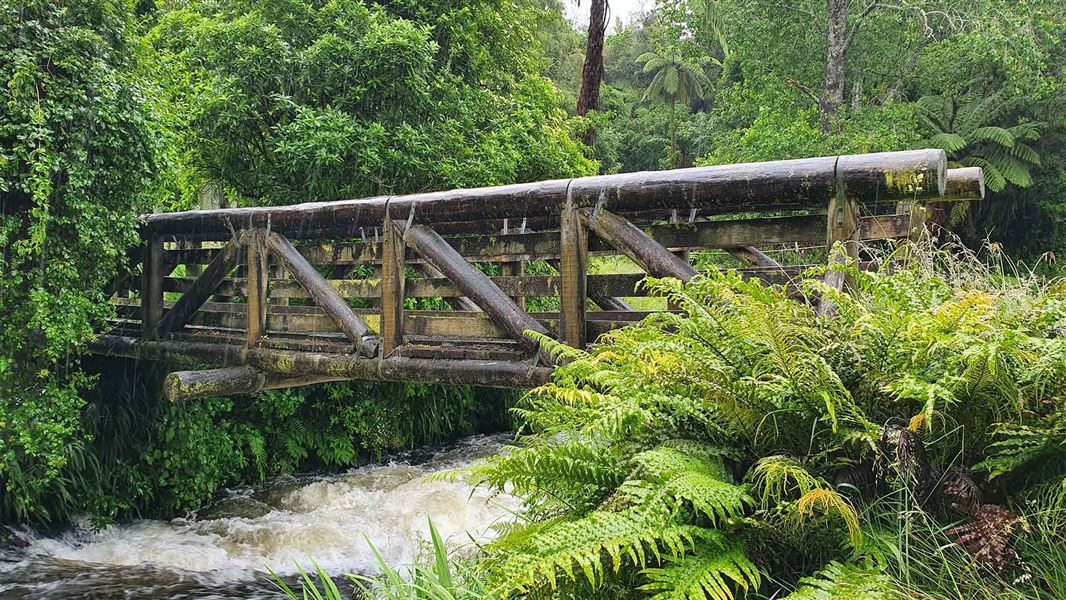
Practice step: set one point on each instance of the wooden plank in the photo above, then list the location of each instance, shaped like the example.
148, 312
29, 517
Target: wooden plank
392, 288
544, 245
257, 258
634, 243
324, 295
751, 255
182, 311
573, 266
475, 285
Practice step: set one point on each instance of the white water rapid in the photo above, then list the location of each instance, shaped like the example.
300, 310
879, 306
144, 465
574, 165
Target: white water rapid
225, 550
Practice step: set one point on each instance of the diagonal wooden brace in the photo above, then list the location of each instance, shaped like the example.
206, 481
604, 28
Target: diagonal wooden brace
220, 267
325, 295
477, 286
628, 239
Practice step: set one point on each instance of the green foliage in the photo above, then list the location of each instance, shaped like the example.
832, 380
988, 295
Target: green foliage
965, 129
628, 462
299, 101
844, 582
77, 152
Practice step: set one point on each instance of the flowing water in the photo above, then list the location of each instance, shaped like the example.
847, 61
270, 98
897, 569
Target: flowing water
224, 550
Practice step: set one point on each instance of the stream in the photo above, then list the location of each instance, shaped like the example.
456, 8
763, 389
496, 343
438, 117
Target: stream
225, 549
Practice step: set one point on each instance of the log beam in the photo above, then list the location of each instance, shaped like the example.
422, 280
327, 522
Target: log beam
325, 295
777, 185
752, 256
474, 284
628, 239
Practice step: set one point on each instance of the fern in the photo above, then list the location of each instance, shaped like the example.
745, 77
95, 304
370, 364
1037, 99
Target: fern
846, 582
712, 571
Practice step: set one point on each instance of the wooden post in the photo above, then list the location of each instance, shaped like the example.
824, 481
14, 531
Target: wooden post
325, 295
634, 243
152, 289
843, 227
573, 273
475, 285
392, 287
200, 290
257, 285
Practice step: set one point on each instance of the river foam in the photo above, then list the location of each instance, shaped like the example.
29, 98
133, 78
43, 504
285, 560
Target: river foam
230, 544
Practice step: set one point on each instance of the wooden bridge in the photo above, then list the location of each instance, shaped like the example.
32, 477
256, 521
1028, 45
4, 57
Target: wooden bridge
439, 287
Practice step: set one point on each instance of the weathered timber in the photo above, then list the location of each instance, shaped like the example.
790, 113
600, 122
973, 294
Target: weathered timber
180, 386
333, 367
573, 275
475, 285
843, 229
256, 286
392, 288
544, 245
750, 255
811, 182
152, 289
324, 295
182, 310
963, 184
458, 301
634, 243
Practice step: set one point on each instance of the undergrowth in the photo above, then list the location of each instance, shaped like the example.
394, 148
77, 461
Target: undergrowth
914, 445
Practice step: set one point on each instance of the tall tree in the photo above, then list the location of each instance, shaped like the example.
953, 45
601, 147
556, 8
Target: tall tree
588, 98
835, 55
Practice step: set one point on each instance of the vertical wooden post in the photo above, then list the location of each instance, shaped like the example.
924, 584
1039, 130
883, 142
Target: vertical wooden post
683, 255
843, 227
256, 295
152, 289
573, 271
392, 286
193, 269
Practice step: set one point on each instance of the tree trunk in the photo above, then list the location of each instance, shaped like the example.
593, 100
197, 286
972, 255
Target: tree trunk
833, 90
673, 133
588, 98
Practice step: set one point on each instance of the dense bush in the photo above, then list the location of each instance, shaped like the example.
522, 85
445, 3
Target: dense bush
77, 152
748, 443
287, 101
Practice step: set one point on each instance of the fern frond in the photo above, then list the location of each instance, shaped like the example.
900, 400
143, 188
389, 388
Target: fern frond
846, 582
712, 572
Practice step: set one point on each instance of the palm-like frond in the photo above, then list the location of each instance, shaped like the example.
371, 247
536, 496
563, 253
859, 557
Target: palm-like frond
846, 582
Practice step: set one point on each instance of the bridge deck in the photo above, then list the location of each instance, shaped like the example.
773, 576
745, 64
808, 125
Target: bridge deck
440, 287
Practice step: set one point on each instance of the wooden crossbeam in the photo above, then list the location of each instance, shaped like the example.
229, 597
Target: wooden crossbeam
750, 255
475, 285
325, 295
628, 239
183, 310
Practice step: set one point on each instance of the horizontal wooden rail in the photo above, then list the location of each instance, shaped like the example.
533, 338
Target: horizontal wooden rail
544, 245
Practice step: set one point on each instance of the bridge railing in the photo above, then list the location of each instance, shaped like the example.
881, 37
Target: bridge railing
439, 287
